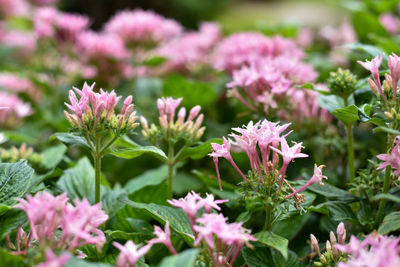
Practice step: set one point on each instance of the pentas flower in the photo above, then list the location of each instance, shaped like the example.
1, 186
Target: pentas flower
94, 111
130, 253
374, 251
373, 67
53, 261
13, 8
142, 27
194, 202
14, 110
394, 68
316, 178
17, 84
48, 214
183, 127
24, 42
392, 160
163, 237
214, 230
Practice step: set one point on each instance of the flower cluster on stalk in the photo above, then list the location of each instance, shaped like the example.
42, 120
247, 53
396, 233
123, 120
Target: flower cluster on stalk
174, 127
263, 142
48, 215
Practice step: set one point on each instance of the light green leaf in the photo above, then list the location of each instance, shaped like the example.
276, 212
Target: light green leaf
151, 177
337, 210
347, 115
365, 23
177, 218
186, 258
10, 260
53, 156
75, 262
275, 241
330, 102
386, 130
390, 223
389, 197
373, 51
14, 181
127, 149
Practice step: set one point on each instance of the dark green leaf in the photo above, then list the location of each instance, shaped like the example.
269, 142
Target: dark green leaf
256, 257
186, 258
71, 139
275, 241
386, 130
291, 261
10, 260
311, 86
14, 181
332, 192
388, 197
337, 210
10, 221
390, 223
199, 151
177, 218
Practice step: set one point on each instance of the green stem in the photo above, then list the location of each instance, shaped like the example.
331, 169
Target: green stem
382, 203
268, 218
171, 163
350, 152
109, 144
97, 168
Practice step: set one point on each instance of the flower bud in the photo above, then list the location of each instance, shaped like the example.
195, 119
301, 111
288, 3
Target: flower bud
144, 123
314, 244
332, 238
341, 233
328, 247
181, 115
161, 107
373, 86
194, 112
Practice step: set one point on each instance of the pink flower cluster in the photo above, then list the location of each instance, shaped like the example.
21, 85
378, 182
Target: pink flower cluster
224, 240
24, 41
392, 159
15, 110
16, 84
183, 126
64, 27
142, 27
374, 251
243, 49
97, 110
48, 214
191, 49
13, 8
259, 140
391, 80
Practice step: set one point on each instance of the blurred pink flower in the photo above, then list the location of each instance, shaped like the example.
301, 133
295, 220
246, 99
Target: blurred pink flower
16, 110
392, 160
130, 253
14, 83
53, 261
390, 22
142, 27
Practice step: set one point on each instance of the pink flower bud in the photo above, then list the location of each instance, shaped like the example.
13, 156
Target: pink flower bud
181, 115
332, 238
314, 244
144, 123
161, 107
341, 233
194, 112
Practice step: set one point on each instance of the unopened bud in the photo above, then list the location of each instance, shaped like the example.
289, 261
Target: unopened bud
335, 253
198, 122
341, 233
332, 238
194, 112
314, 244
181, 115
161, 107
373, 86
328, 246
386, 86
388, 115
144, 123
163, 122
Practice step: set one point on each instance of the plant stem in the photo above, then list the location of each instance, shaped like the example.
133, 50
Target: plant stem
171, 163
350, 152
97, 168
382, 203
268, 218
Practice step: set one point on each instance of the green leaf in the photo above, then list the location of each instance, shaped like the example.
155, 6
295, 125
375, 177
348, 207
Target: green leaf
154, 61
275, 241
279, 261
310, 86
78, 181
347, 115
389, 197
199, 151
390, 223
127, 149
290, 227
10, 260
71, 139
10, 221
186, 258
193, 92
75, 262
151, 177
330, 102
365, 23
256, 257
332, 192
373, 51
337, 210
137, 237
53, 156
386, 130
177, 218
113, 200
14, 181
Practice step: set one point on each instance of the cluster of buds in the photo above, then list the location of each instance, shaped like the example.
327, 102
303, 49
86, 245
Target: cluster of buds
332, 253
174, 129
212, 229
266, 137
388, 89
95, 112
342, 83
23, 152
49, 215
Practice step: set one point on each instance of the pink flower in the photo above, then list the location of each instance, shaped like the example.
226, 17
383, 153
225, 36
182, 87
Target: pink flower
163, 237
190, 205
130, 253
210, 203
390, 22
16, 110
316, 178
373, 67
392, 159
139, 26
53, 261
167, 106
394, 67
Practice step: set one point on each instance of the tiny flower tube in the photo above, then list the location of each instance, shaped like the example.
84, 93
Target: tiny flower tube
373, 67
316, 178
